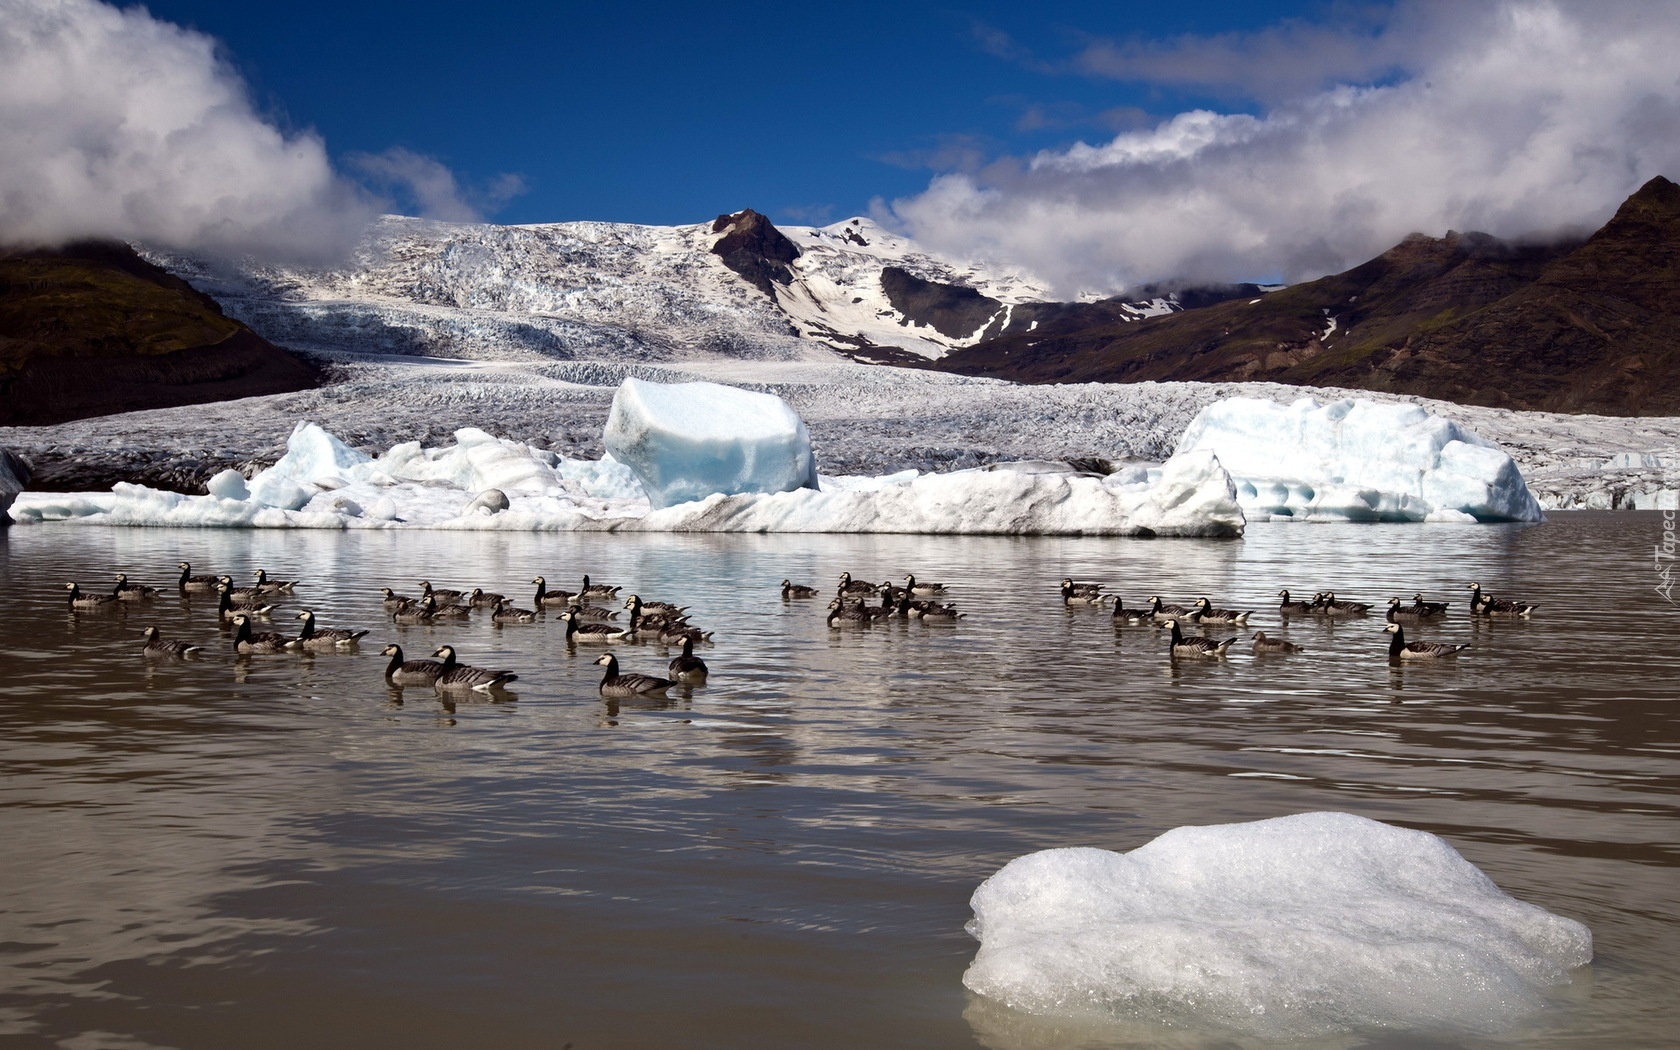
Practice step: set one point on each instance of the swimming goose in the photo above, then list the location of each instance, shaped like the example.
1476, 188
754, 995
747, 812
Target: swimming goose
394, 601
598, 592
422, 610
592, 633
635, 604
238, 594
465, 678
850, 588
1430, 608
479, 598
268, 586
443, 597
544, 596
797, 590
157, 645
505, 612
195, 584
615, 684
1293, 608
1330, 606
1081, 593
593, 612
1487, 605
318, 638
673, 635
1398, 613
247, 641
133, 592
1400, 649
1124, 616
227, 606
935, 612
689, 669
1159, 610
911, 585
1204, 612
409, 672
1262, 644
842, 614
1179, 645
448, 610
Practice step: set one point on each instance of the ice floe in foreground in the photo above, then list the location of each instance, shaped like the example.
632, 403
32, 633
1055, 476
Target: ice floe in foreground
1294, 927
322, 483
1358, 460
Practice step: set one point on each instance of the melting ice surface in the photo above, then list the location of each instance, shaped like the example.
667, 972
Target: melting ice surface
1294, 927
1357, 460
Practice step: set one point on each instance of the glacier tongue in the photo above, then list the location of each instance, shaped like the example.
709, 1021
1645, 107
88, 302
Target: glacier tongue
1358, 460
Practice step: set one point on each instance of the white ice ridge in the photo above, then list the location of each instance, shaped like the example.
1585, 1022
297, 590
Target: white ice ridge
1358, 460
322, 483
686, 441
1295, 927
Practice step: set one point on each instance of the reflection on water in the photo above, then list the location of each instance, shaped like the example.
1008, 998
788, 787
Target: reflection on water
252, 852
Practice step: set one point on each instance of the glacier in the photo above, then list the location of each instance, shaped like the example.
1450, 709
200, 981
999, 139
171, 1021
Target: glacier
1358, 460
1295, 927
686, 441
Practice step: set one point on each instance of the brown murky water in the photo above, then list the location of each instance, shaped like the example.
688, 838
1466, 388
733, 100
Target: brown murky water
279, 851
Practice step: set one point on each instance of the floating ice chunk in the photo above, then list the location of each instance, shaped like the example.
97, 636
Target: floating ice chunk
687, 441
314, 461
1357, 460
1293, 927
229, 484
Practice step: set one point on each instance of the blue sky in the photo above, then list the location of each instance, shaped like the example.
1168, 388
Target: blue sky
671, 113
1093, 145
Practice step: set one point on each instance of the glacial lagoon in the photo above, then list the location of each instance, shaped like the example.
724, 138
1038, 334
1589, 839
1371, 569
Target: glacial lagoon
281, 851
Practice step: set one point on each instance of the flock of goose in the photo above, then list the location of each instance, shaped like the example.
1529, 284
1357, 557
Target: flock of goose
1325, 605
584, 612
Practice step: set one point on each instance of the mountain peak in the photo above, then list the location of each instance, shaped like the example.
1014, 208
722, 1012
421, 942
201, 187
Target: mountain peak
753, 247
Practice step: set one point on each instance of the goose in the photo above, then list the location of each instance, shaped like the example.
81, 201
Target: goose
850, 588
544, 596
317, 638
245, 641
1157, 609
443, 597
505, 612
465, 678
1332, 607
597, 591
1398, 613
195, 584
402, 672
592, 633
841, 614
1123, 615
1487, 605
133, 592
1400, 649
797, 590
890, 592
1081, 593
394, 601
479, 598
421, 610
157, 645
914, 587
635, 604
615, 684
1432, 608
227, 606
592, 612
449, 610
1204, 612
1262, 644
238, 594
1179, 645
935, 612
1293, 608
673, 635
689, 669
268, 586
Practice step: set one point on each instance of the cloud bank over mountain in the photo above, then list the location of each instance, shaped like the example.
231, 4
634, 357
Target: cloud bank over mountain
1522, 118
114, 124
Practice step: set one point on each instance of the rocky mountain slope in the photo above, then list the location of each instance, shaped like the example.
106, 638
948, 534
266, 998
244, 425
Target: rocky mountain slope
93, 329
1585, 326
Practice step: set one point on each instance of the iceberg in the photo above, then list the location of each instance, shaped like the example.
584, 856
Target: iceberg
483, 482
1295, 927
1358, 460
687, 441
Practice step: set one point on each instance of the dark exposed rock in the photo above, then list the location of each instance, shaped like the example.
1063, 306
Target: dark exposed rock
753, 247
951, 310
92, 329
1575, 326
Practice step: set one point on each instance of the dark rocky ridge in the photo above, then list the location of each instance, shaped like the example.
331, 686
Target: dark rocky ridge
753, 247
1580, 326
92, 329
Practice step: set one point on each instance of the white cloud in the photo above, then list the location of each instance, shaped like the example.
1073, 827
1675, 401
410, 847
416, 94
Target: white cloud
116, 124
1516, 117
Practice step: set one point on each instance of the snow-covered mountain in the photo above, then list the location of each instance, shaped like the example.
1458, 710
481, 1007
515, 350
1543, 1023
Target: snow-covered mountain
619, 291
